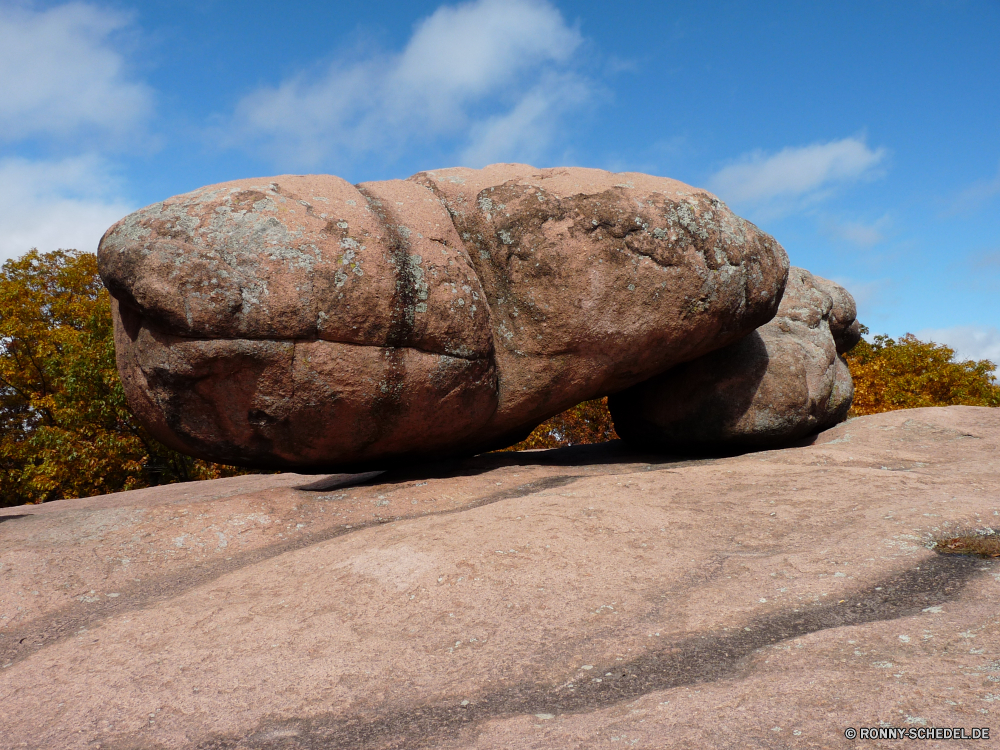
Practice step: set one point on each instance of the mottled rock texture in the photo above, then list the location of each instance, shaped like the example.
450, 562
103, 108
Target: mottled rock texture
782, 382
589, 597
303, 322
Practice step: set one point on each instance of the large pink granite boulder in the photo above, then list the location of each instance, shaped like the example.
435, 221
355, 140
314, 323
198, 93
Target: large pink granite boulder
784, 381
303, 322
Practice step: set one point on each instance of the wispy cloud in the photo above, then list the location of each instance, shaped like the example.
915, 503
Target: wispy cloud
969, 342
494, 76
977, 194
860, 233
872, 297
989, 260
57, 204
61, 76
525, 131
795, 174
981, 271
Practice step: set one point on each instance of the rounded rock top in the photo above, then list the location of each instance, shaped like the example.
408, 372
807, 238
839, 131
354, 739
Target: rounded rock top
304, 322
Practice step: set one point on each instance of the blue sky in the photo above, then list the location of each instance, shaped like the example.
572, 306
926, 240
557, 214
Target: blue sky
864, 136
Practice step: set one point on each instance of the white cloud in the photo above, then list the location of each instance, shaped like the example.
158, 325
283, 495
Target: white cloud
498, 69
969, 342
476, 48
60, 74
56, 204
801, 173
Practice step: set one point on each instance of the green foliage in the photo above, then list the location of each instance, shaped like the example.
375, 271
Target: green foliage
66, 429
907, 373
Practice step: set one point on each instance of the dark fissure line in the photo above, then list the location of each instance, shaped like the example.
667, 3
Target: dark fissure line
387, 407
404, 289
305, 340
699, 658
21, 642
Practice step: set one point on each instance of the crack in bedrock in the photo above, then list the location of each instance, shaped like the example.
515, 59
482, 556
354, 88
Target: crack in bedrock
699, 658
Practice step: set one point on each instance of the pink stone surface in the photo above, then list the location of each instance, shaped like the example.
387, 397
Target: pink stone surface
784, 381
580, 598
303, 323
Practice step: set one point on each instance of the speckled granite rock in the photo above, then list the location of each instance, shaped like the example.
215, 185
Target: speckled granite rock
782, 382
303, 322
572, 599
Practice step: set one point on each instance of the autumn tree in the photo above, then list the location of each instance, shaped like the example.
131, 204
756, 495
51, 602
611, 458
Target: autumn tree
907, 373
66, 429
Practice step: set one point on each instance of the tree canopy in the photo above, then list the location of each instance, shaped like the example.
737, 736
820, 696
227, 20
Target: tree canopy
66, 429
907, 373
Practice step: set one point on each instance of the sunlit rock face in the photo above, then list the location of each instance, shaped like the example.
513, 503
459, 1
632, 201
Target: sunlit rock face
304, 322
784, 381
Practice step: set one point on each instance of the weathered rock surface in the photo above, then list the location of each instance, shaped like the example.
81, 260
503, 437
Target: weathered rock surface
303, 322
567, 599
782, 382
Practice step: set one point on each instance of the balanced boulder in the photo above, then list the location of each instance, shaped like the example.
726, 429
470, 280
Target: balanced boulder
782, 382
304, 322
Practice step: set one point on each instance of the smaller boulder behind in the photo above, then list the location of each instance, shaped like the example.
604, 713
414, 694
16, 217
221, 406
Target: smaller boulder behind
784, 381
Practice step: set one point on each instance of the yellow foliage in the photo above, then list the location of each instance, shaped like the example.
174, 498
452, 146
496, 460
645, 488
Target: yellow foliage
65, 427
907, 373
589, 422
